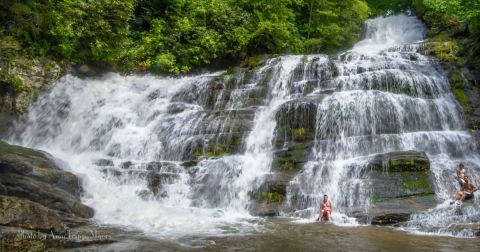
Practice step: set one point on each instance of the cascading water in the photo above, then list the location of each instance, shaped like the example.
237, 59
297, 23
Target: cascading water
159, 154
132, 139
387, 97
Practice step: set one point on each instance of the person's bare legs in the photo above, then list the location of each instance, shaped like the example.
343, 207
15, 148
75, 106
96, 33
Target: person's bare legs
459, 195
464, 195
328, 216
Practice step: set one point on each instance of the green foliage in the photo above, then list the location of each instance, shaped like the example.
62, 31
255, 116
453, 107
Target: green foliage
287, 165
271, 197
299, 151
16, 82
455, 28
381, 7
229, 80
452, 10
176, 35
415, 182
213, 150
462, 98
328, 25
253, 62
78, 30
299, 133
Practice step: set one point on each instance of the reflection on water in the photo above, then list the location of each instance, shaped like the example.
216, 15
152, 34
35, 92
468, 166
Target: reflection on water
286, 235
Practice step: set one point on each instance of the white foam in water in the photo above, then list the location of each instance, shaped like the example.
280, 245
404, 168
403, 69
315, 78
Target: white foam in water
385, 32
388, 98
74, 123
127, 119
381, 96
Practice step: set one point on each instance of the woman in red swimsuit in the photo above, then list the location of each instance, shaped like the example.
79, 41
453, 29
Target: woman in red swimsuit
326, 209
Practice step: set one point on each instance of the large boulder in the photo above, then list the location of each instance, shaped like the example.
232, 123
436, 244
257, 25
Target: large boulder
24, 213
400, 174
32, 182
401, 184
266, 208
296, 121
394, 211
272, 193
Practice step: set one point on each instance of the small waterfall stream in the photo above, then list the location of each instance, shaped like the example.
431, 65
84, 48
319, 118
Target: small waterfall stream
183, 156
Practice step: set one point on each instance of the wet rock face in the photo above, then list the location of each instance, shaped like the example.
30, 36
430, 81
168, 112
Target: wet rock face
296, 121
271, 194
31, 182
155, 180
155, 174
410, 161
400, 174
266, 208
390, 219
465, 87
36, 75
398, 210
24, 213
222, 113
401, 184
293, 140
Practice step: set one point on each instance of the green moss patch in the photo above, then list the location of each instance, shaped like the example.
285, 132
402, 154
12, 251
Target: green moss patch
287, 165
213, 150
271, 197
402, 165
462, 99
444, 47
298, 133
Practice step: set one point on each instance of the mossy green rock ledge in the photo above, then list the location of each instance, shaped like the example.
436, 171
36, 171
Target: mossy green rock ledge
401, 184
400, 174
36, 194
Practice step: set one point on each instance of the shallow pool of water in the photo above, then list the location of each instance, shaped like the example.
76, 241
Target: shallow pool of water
280, 234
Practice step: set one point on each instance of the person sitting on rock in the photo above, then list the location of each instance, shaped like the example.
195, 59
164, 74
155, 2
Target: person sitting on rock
468, 189
326, 209
461, 181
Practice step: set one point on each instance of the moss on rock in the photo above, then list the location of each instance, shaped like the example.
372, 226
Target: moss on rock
418, 181
409, 161
400, 174
271, 197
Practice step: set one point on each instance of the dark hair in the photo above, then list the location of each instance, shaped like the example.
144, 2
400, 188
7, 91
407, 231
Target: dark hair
461, 165
325, 195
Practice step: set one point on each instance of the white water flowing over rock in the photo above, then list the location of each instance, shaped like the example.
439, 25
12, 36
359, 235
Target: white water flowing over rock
387, 97
132, 138
115, 131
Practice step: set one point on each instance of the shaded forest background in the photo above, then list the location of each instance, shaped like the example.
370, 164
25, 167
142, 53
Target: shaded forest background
176, 36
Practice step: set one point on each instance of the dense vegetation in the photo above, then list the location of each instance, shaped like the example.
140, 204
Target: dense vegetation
455, 27
175, 36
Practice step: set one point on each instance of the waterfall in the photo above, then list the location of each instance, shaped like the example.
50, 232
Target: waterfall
185, 156
386, 97
159, 154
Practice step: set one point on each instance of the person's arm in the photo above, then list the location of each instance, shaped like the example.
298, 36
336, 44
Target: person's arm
331, 206
462, 183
